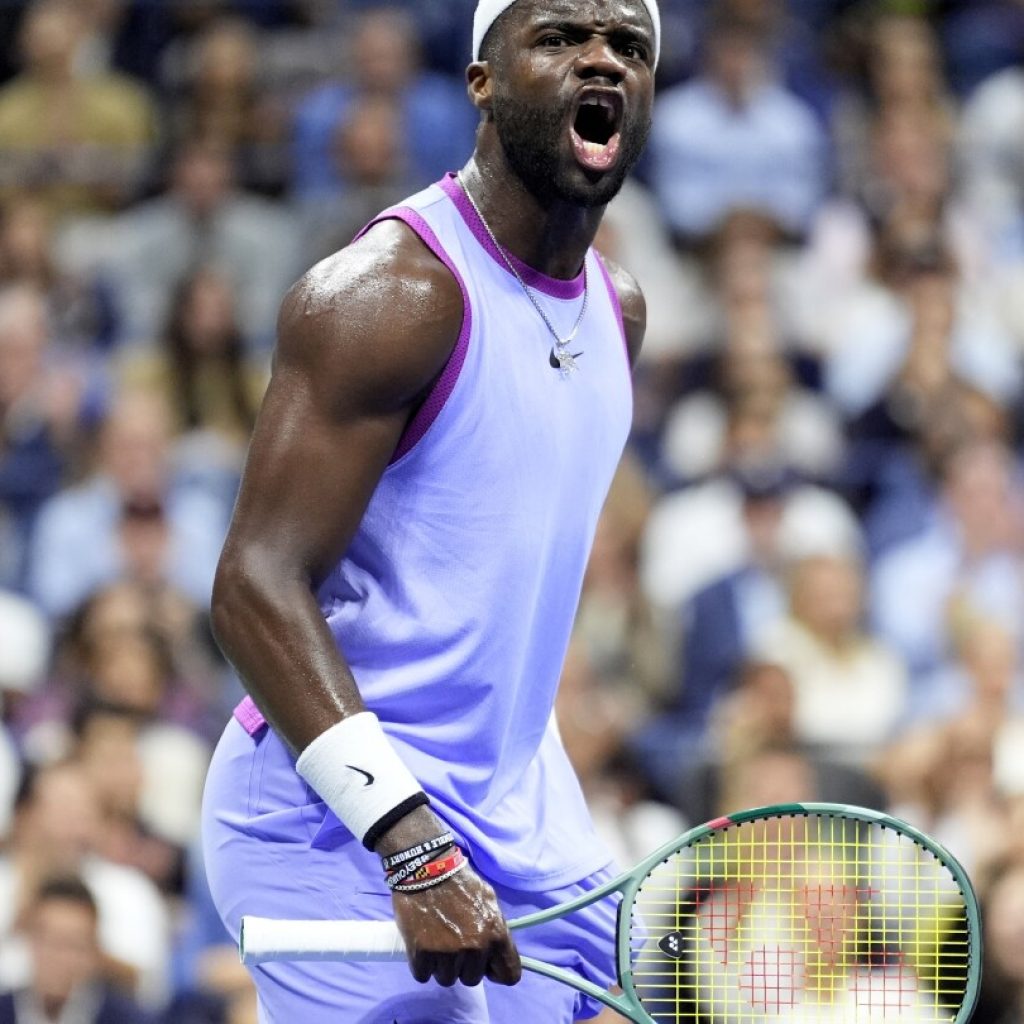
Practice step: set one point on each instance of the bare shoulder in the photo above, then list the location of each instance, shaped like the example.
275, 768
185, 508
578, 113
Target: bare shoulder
634, 306
379, 319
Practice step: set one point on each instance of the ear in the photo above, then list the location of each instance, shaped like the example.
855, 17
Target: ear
480, 85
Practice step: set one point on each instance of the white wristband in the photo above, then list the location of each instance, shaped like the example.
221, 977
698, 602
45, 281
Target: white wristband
356, 772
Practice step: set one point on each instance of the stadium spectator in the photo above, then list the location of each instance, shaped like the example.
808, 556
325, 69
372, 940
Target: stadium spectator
905, 474
985, 677
896, 72
756, 715
912, 332
39, 413
24, 659
991, 151
79, 140
80, 309
906, 201
224, 101
595, 722
724, 622
850, 690
68, 979
124, 694
370, 151
697, 536
112, 750
195, 697
727, 620
202, 367
754, 736
437, 122
55, 832
130, 518
203, 219
967, 562
736, 139
616, 624
139, 653
211, 985
750, 369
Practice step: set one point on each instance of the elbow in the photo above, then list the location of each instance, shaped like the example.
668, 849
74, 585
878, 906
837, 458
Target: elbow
254, 592
232, 601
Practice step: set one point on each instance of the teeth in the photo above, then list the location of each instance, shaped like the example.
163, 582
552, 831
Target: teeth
599, 101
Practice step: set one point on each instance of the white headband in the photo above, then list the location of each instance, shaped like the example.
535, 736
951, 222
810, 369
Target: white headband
488, 12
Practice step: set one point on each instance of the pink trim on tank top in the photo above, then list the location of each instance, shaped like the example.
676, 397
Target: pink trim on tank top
613, 294
553, 286
249, 717
445, 385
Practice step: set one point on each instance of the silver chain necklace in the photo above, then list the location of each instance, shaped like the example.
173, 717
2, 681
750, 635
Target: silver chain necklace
561, 358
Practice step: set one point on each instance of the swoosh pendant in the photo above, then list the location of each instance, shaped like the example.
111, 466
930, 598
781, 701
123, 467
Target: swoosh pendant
564, 361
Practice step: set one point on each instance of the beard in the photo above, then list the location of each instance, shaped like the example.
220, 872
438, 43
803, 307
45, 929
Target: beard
534, 141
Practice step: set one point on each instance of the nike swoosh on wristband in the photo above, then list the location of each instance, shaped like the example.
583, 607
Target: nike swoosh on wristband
370, 780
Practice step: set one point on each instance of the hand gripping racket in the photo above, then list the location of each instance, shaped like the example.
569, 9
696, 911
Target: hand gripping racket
809, 913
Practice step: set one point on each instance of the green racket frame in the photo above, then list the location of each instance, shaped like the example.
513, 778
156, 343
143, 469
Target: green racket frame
629, 884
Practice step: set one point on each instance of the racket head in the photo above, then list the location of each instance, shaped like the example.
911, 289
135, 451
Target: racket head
810, 913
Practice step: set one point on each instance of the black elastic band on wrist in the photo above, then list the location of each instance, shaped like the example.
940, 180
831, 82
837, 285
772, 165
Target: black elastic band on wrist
409, 869
392, 818
441, 842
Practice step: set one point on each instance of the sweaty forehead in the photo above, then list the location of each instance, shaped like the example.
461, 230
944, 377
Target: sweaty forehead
609, 12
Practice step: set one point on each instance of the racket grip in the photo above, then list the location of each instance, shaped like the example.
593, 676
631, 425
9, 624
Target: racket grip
264, 940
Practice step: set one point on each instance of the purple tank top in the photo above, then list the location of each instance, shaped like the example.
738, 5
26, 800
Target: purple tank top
455, 602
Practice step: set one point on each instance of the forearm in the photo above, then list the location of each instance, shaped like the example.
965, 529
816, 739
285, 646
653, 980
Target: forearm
276, 637
269, 626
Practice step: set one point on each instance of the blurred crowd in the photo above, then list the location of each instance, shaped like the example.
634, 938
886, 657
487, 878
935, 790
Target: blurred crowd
809, 579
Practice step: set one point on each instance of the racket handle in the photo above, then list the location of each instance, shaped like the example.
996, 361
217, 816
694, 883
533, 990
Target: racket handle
264, 940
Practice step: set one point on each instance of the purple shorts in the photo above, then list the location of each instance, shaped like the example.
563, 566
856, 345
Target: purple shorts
269, 853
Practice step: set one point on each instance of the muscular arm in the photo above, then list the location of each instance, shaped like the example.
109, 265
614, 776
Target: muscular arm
361, 339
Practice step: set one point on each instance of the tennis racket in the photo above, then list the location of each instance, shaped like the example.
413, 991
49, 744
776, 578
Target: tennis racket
810, 913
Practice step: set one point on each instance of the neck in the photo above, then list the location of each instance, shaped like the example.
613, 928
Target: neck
552, 238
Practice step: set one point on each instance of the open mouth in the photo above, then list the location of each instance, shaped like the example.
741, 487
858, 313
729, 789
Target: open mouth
595, 131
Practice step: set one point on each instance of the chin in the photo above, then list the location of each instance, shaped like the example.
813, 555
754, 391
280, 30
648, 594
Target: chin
584, 188
566, 181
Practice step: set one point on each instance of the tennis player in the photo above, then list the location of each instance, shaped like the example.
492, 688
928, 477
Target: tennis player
450, 399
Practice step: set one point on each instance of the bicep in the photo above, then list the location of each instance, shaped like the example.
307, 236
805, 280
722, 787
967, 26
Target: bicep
358, 349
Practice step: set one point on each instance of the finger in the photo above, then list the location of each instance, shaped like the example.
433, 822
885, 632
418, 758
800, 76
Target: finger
504, 965
474, 964
447, 969
420, 964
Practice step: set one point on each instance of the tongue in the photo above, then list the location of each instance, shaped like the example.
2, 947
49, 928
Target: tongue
596, 156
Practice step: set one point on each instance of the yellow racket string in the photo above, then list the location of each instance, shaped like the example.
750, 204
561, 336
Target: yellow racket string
809, 919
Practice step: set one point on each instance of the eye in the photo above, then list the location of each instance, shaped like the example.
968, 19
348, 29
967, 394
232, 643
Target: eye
634, 51
553, 42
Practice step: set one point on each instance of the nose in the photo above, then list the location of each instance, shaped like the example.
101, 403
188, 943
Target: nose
597, 59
